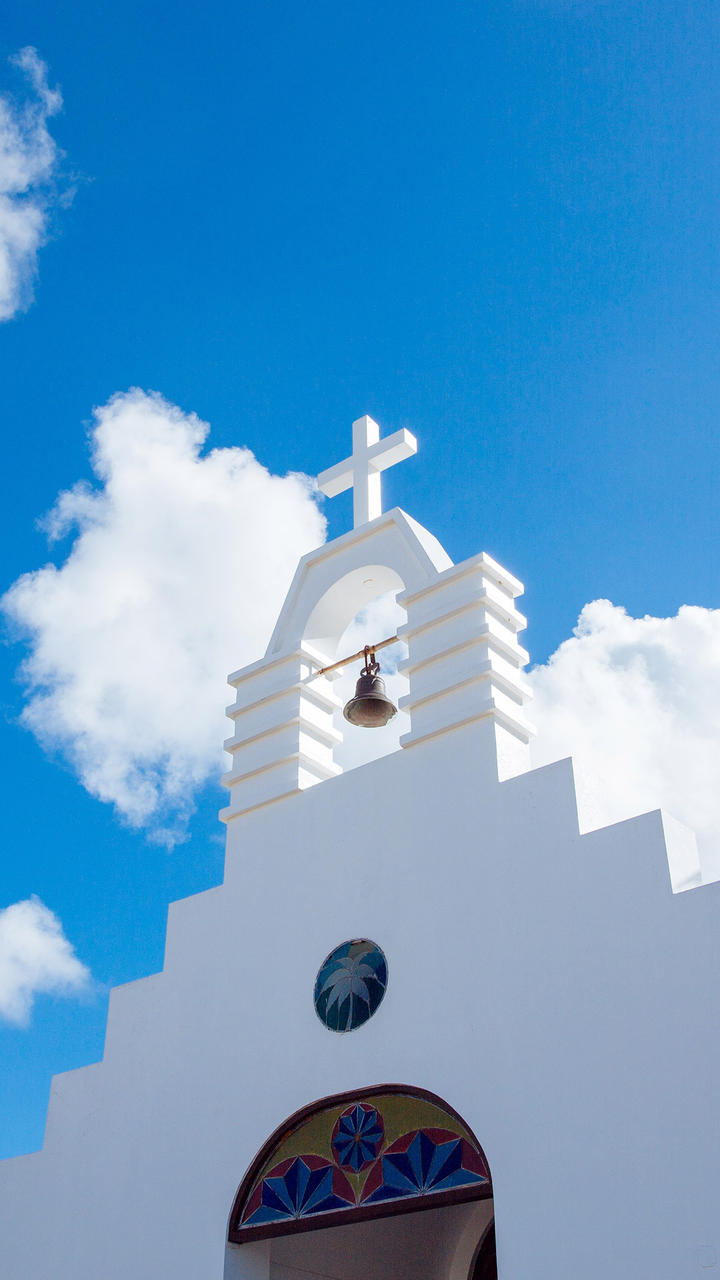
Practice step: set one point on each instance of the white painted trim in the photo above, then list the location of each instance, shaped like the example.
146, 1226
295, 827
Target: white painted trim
486, 673
484, 638
329, 737
482, 562
324, 771
521, 729
326, 701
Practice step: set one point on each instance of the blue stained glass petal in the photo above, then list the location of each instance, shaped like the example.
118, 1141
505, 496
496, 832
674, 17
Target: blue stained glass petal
415, 1158
276, 1196
398, 1173
392, 1189
291, 1182
321, 1191
446, 1159
372, 1133
264, 1214
458, 1178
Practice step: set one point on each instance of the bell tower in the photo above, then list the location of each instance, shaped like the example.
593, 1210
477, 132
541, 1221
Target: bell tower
464, 663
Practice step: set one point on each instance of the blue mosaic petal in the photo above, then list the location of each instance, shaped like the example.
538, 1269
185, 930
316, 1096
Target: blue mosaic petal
371, 1133
458, 1178
275, 1195
447, 1158
264, 1214
391, 1191
398, 1173
415, 1158
319, 1192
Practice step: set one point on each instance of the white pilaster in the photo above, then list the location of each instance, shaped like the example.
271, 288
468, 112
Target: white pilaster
248, 1261
284, 736
465, 664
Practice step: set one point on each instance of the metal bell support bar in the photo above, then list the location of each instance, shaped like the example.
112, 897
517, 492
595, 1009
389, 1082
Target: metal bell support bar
352, 657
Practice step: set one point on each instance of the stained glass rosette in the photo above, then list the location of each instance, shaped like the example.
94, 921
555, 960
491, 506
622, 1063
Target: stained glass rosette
358, 1137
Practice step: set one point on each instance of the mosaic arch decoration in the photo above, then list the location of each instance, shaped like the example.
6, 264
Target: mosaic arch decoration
390, 1149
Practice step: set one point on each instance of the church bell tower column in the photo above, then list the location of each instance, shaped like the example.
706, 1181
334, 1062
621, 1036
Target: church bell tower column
284, 737
465, 664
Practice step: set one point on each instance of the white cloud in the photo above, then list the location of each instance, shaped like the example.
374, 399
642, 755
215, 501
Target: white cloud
35, 958
636, 701
179, 566
29, 163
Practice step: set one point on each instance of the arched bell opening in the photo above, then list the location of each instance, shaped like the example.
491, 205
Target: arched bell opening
286, 731
388, 1183
378, 620
344, 601
361, 609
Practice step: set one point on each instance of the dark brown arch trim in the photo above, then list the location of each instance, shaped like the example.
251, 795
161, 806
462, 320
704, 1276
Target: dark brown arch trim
362, 1213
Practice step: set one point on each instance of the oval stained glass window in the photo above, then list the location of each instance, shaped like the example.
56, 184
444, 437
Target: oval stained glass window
350, 985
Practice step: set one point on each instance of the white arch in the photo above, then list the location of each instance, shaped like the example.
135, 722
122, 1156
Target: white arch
333, 583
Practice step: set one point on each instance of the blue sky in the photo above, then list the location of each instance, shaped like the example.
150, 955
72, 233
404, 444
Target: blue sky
493, 224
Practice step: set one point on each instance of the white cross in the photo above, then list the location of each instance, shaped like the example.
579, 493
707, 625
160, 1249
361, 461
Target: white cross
361, 472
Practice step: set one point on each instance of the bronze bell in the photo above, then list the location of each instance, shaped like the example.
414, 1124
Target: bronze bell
370, 708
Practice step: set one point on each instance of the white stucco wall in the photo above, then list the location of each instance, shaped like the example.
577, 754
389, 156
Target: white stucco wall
548, 985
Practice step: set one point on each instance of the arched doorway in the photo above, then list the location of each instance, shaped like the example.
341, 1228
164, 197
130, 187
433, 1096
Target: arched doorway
385, 1183
485, 1261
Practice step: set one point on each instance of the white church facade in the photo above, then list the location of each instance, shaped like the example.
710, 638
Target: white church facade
425, 1027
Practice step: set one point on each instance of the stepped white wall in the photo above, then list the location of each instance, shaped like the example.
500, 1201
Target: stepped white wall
550, 986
